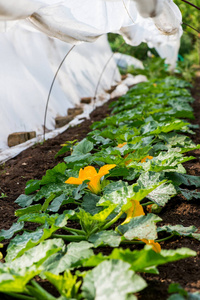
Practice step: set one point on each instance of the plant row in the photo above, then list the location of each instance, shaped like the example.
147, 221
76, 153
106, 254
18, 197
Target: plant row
89, 226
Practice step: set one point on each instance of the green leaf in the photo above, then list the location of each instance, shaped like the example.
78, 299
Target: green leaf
106, 237
21, 243
47, 202
166, 160
182, 294
66, 284
77, 158
118, 172
24, 200
176, 140
118, 197
58, 202
54, 188
161, 194
91, 224
70, 259
80, 156
180, 230
167, 127
191, 296
120, 281
142, 227
54, 175
141, 260
185, 179
31, 186
175, 287
79, 191
83, 147
42, 218
67, 147
7, 234
120, 193
89, 203
189, 195
10, 283
28, 210
63, 150
35, 257
38, 292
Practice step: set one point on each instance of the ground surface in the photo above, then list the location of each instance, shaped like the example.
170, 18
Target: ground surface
33, 163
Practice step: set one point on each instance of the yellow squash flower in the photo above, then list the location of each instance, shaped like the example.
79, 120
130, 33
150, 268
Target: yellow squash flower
155, 246
121, 145
135, 210
142, 160
90, 173
130, 160
145, 158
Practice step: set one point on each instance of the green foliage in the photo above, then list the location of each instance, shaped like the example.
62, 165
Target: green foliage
180, 230
189, 42
142, 227
154, 67
71, 224
116, 42
181, 293
120, 281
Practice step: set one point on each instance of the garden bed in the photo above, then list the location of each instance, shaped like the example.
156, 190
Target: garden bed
33, 163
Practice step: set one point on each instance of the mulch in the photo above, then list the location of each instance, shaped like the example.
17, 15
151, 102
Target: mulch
33, 163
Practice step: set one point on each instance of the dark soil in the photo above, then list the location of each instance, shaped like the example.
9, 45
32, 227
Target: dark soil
33, 163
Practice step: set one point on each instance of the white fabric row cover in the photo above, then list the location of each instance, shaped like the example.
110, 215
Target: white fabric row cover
74, 20
29, 61
149, 30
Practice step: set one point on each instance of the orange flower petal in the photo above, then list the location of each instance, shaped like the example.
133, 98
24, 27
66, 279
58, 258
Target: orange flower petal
74, 180
90, 173
105, 169
144, 159
155, 246
87, 173
135, 210
128, 162
121, 145
94, 185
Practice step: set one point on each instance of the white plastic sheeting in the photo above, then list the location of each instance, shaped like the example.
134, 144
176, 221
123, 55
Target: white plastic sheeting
9, 153
73, 21
162, 32
156, 22
119, 91
149, 8
124, 60
28, 61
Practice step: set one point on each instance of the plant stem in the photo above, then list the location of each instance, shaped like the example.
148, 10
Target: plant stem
191, 4
165, 239
70, 238
140, 242
77, 202
18, 296
44, 294
147, 203
131, 242
78, 231
113, 220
